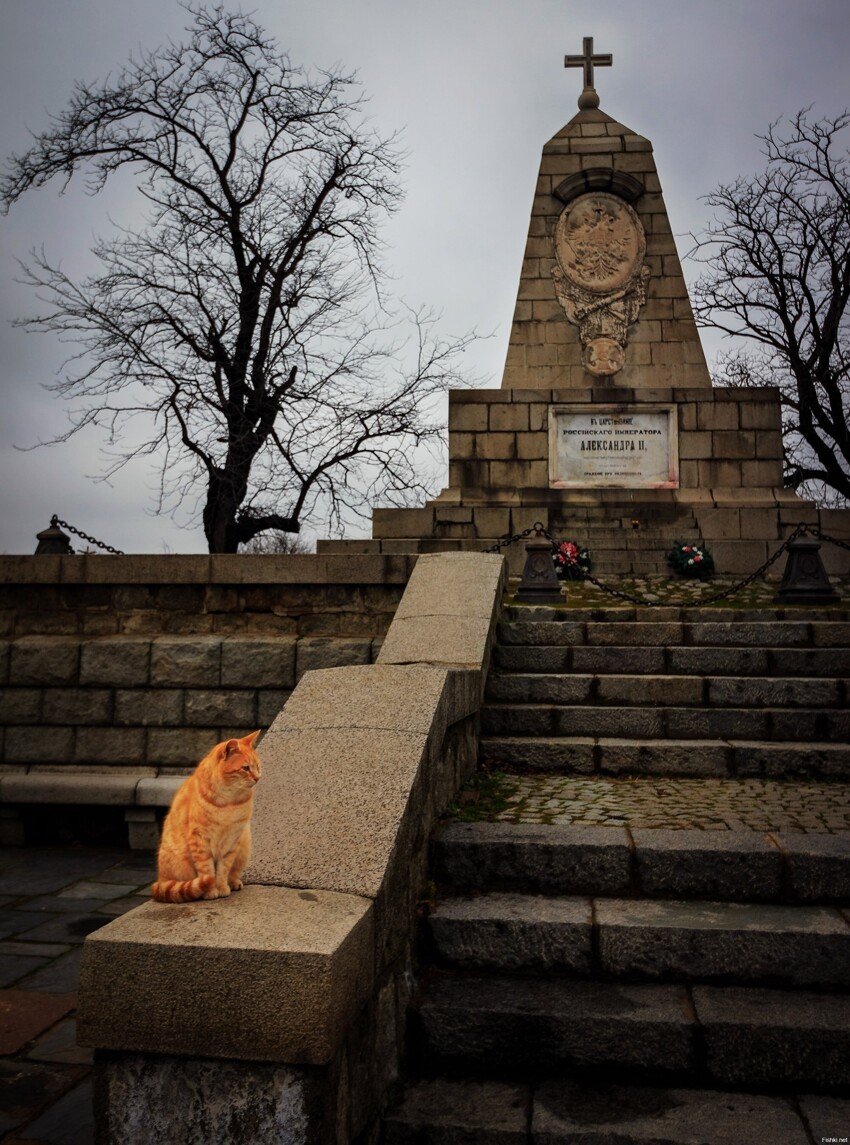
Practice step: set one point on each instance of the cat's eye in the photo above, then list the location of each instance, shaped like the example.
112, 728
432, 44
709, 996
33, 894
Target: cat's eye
246, 767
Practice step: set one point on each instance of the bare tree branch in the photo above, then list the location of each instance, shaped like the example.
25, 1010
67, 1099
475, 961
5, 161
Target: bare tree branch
778, 258
242, 327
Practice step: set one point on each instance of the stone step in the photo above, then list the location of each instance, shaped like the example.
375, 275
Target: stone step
679, 723
724, 691
442, 1111
729, 1035
673, 633
666, 757
613, 862
645, 939
691, 611
579, 755
678, 660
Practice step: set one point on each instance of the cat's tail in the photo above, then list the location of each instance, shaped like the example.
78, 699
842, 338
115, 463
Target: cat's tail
172, 890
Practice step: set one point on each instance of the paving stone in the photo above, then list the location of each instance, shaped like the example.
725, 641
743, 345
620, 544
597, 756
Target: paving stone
25, 1015
717, 941
531, 1025
57, 904
26, 1087
94, 889
459, 1113
66, 928
13, 922
70, 1121
718, 865
34, 949
828, 1117
756, 1037
40, 870
566, 1113
58, 977
566, 860
15, 966
514, 932
59, 1044
818, 866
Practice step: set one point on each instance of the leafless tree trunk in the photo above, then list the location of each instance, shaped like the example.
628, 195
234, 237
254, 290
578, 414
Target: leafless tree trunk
243, 323
778, 258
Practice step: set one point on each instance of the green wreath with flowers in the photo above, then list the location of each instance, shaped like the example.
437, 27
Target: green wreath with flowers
690, 560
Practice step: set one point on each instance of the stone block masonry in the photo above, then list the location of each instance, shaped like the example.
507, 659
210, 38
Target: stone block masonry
305, 976
121, 671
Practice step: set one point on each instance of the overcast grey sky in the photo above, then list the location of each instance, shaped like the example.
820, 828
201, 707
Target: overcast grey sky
477, 87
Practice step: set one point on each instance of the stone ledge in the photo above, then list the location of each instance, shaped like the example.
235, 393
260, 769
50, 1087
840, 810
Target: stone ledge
276, 975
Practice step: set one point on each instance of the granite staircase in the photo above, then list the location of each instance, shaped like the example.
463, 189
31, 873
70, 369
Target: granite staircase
611, 985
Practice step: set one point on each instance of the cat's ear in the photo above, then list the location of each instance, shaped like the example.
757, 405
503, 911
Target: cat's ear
230, 748
250, 740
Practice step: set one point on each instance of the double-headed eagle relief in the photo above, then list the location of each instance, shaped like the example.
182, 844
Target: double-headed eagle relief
600, 279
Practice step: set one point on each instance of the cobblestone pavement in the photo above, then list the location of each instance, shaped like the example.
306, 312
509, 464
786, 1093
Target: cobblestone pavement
673, 591
707, 804
50, 899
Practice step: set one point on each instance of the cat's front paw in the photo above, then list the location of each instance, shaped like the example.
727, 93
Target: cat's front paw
223, 891
236, 884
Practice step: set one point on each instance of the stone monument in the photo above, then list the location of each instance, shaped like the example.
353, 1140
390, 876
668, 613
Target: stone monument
606, 427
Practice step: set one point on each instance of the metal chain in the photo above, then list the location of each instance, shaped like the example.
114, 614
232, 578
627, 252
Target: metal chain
54, 520
798, 531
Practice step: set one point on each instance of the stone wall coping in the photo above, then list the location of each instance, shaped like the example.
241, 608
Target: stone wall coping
354, 776
124, 786
244, 568
269, 974
626, 395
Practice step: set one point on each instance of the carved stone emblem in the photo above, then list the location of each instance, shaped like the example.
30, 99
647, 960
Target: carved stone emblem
600, 279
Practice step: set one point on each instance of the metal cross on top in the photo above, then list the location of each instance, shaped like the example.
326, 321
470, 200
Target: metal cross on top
587, 60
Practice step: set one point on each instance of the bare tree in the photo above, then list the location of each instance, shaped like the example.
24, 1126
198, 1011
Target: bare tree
778, 256
243, 324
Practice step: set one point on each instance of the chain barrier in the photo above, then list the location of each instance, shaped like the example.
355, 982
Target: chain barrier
54, 520
786, 544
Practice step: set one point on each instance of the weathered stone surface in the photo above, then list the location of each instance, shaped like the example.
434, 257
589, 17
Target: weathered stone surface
149, 1100
38, 745
568, 1112
768, 1037
734, 865
514, 932
664, 757
718, 661
358, 779
123, 662
72, 786
550, 634
735, 942
792, 759
77, 706
538, 689
149, 707
462, 641
539, 753
183, 660
222, 707
769, 692
318, 652
818, 866
258, 662
565, 860
604, 660
459, 1113
828, 1117
277, 974
533, 1024
44, 660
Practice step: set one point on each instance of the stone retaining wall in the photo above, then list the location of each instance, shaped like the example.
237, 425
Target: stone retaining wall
119, 673
295, 1024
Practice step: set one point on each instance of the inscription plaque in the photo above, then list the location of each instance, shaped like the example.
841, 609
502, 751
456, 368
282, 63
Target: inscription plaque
613, 446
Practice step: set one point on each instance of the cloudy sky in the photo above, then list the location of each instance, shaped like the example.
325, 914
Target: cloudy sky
477, 87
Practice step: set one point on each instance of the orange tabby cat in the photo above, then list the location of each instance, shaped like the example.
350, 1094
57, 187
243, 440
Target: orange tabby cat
206, 837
